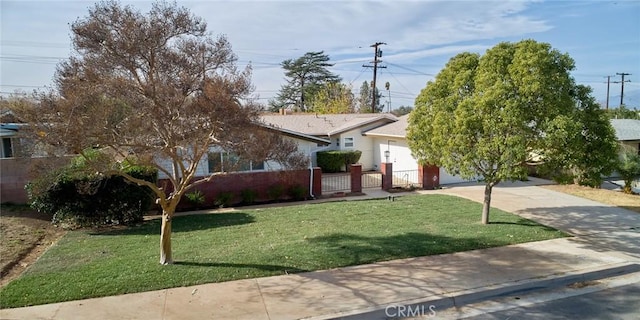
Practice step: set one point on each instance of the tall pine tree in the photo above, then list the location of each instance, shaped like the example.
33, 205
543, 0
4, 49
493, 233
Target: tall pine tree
305, 77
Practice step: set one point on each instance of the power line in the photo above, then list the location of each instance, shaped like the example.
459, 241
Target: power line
412, 70
358, 76
400, 83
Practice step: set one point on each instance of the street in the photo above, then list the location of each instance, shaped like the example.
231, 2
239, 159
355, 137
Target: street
621, 302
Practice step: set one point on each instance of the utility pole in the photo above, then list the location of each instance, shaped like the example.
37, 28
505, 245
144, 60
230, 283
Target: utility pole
608, 83
377, 53
622, 86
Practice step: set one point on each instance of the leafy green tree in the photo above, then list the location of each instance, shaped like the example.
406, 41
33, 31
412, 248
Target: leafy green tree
581, 145
401, 111
483, 115
333, 98
365, 99
623, 112
305, 77
158, 90
629, 167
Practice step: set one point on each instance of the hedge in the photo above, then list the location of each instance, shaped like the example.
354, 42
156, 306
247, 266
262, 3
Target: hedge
334, 161
77, 198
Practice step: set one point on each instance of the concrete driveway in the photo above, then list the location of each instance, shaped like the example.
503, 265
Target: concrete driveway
597, 226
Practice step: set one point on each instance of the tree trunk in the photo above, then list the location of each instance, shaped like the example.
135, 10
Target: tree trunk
486, 205
165, 239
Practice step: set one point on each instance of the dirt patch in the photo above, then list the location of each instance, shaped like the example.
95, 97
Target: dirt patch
24, 234
614, 198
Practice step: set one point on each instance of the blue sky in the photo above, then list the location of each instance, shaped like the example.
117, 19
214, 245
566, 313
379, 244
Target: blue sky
603, 37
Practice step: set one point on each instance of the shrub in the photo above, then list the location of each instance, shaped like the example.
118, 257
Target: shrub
628, 167
248, 196
224, 199
334, 161
563, 178
79, 198
275, 192
195, 198
298, 192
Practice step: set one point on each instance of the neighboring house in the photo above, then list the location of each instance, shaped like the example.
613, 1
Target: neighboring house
390, 145
343, 131
627, 132
8, 133
13, 169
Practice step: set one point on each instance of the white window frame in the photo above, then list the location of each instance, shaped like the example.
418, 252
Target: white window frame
349, 142
225, 157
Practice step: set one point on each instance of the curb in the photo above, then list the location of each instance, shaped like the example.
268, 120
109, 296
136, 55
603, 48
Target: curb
457, 299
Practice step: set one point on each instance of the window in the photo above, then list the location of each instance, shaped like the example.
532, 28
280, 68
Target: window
229, 162
348, 142
7, 148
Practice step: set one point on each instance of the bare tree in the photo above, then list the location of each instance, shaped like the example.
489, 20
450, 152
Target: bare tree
156, 89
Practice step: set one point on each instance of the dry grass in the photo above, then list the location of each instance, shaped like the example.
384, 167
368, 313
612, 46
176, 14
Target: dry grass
25, 234
615, 198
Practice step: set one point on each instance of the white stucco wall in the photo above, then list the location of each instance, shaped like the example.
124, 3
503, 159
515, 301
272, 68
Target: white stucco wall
400, 156
305, 147
447, 178
399, 153
201, 170
362, 143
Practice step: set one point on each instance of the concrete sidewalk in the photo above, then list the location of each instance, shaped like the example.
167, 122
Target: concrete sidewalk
606, 244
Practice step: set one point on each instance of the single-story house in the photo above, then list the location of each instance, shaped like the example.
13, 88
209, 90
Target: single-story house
381, 137
627, 132
343, 131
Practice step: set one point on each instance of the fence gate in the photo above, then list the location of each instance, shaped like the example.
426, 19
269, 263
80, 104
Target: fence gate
372, 179
336, 182
405, 178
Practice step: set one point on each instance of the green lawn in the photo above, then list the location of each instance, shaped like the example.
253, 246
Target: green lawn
263, 242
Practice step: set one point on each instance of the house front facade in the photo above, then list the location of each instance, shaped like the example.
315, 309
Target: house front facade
390, 146
380, 137
343, 131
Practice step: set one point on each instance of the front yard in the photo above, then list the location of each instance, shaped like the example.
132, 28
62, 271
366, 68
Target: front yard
252, 243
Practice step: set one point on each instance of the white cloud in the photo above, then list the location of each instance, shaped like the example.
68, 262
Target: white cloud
420, 35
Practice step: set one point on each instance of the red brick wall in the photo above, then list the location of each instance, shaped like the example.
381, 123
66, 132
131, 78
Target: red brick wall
317, 182
429, 176
356, 178
260, 182
387, 175
14, 177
